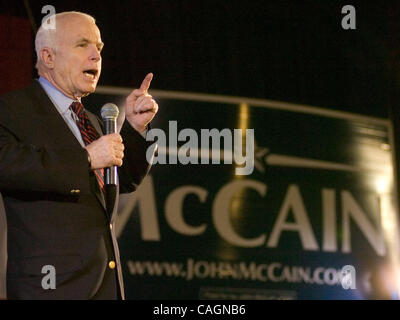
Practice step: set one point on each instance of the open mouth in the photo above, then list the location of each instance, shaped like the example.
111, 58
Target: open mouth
91, 73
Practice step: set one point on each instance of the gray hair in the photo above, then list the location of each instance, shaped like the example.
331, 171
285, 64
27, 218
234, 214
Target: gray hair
47, 37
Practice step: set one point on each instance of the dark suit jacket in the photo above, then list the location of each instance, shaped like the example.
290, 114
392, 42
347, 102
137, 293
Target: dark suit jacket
55, 211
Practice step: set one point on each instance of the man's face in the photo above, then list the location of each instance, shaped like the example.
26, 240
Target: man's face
77, 63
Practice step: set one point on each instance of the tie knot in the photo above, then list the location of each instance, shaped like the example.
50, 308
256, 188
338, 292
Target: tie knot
77, 107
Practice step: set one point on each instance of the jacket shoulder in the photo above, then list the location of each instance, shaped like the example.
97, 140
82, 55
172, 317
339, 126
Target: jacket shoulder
31, 98
22, 93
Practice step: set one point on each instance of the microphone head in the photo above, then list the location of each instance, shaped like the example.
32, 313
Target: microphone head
109, 111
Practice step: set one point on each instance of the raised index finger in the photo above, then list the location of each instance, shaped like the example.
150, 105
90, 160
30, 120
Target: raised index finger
146, 82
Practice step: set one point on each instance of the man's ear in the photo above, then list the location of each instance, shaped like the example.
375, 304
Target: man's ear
47, 55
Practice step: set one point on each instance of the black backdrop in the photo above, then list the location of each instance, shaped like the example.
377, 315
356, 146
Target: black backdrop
283, 50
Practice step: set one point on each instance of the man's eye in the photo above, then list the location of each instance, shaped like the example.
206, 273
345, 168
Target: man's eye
82, 45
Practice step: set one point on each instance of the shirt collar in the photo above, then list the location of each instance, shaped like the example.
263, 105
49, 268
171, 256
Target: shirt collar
60, 100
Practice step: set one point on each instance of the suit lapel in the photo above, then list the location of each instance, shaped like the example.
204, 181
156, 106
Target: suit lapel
113, 201
95, 122
55, 123
99, 193
53, 120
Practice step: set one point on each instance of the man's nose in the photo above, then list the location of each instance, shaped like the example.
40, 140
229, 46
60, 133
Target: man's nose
95, 54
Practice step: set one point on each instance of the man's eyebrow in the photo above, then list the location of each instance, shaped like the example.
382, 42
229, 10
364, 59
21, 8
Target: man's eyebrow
84, 40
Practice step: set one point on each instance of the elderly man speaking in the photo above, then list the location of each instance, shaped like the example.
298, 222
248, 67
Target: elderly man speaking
52, 156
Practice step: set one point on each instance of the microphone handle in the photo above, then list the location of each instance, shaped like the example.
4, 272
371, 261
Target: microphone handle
110, 173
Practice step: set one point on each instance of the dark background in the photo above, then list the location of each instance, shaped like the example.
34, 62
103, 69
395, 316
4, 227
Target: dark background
292, 51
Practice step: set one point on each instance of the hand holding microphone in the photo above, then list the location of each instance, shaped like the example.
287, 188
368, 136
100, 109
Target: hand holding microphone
107, 151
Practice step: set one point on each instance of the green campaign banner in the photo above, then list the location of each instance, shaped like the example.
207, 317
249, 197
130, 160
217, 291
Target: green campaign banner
256, 199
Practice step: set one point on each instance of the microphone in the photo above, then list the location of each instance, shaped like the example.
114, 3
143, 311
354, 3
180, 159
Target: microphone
109, 114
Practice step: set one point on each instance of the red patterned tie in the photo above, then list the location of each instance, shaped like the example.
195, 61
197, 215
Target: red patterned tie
89, 134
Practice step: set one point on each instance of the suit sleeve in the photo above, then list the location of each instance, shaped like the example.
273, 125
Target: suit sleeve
27, 167
135, 165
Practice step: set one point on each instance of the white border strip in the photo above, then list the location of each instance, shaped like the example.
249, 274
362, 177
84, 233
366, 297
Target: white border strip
272, 104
